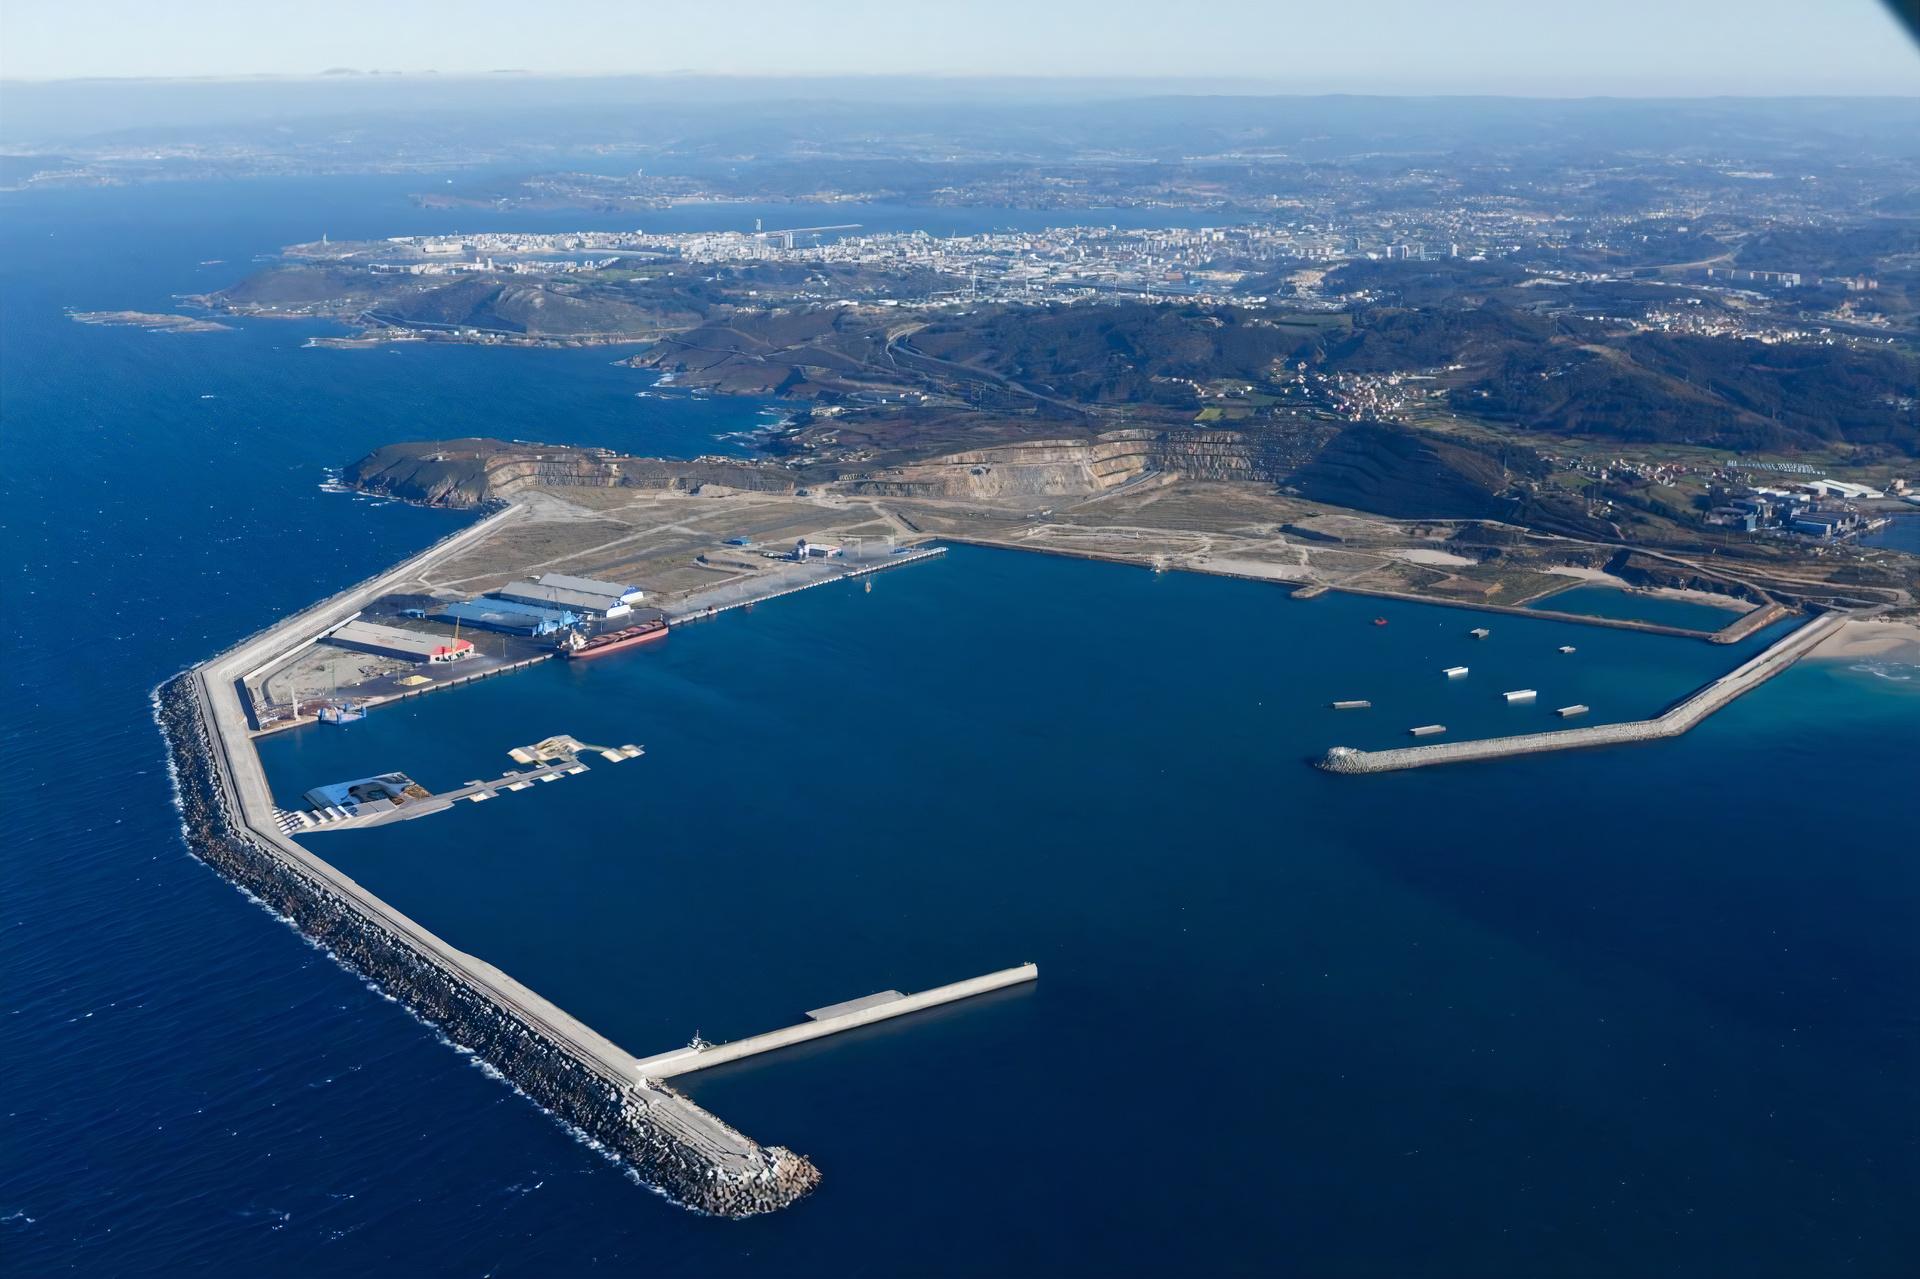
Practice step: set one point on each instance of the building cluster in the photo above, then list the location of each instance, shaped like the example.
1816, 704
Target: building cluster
545, 604
1821, 509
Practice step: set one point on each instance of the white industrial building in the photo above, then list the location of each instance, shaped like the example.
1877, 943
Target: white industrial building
393, 641
592, 586
583, 603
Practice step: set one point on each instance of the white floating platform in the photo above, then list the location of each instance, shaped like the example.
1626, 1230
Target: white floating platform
1428, 730
1454, 672
1521, 695
1356, 705
1568, 712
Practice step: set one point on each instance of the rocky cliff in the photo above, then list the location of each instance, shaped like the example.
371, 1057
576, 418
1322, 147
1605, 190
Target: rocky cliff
464, 473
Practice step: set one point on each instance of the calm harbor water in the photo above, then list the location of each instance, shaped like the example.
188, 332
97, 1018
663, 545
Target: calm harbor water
1596, 600
1631, 1011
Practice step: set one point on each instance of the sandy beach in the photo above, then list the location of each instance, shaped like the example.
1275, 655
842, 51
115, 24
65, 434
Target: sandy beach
1897, 641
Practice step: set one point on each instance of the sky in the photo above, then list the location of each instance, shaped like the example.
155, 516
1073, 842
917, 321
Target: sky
1549, 47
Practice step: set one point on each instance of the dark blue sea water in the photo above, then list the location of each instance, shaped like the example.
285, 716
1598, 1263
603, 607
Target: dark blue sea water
1644, 1011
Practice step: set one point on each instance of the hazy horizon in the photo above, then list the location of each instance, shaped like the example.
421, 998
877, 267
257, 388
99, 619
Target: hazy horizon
1497, 48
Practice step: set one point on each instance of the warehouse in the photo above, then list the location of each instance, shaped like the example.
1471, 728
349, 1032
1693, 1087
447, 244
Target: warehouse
592, 586
514, 619
580, 603
408, 646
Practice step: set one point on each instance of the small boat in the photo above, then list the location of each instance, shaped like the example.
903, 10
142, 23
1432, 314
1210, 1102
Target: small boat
1566, 648
1479, 632
1379, 621
343, 713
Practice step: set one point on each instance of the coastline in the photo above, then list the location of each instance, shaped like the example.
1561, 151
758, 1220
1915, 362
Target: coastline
1888, 639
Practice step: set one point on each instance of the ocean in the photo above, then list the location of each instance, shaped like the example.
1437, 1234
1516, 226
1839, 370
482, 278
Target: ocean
1646, 1010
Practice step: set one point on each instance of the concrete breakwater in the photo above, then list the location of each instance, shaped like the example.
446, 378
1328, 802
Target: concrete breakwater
1676, 719
582, 1079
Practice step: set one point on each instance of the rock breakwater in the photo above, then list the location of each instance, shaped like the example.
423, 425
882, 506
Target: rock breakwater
685, 1152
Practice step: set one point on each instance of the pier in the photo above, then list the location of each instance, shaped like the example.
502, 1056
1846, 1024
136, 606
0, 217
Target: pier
830, 1020
1676, 719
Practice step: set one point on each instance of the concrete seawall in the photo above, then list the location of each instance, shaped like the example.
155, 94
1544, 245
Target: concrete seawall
1677, 719
578, 1075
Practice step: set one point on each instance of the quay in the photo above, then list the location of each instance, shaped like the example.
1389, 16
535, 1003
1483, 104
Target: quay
724, 599
1676, 719
830, 1020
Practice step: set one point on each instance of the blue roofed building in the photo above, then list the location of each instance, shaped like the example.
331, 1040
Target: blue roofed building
504, 615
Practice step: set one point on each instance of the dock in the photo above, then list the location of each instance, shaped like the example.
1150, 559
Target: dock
830, 1020
1676, 719
552, 759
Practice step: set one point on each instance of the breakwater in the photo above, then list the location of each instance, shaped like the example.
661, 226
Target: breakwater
1676, 719
230, 822
677, 1147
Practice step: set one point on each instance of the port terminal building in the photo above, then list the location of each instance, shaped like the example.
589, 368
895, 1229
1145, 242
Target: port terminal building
510, 617
582, 604
592, 586
394, 641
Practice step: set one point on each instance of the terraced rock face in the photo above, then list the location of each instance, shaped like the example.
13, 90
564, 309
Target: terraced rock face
469, 473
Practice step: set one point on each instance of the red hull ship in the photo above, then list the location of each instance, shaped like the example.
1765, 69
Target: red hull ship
573, 646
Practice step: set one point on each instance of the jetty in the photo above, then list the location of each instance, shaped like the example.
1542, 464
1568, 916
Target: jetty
1676, 719
831, 1020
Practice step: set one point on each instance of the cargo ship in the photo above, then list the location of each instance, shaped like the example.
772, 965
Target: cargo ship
575, 645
